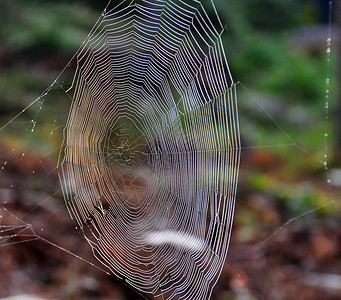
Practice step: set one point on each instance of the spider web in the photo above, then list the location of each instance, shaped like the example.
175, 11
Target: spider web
150, 157
149, 162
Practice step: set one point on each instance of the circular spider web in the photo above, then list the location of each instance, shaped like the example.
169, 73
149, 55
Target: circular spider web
151, 149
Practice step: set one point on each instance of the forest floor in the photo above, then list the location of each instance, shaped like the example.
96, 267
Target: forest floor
300, 261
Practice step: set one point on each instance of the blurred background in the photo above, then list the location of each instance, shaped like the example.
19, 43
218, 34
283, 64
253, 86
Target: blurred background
286, 241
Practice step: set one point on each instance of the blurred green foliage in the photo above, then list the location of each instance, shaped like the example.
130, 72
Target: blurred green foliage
284, 100
286, 83
296, 197
37, 39
42, 27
